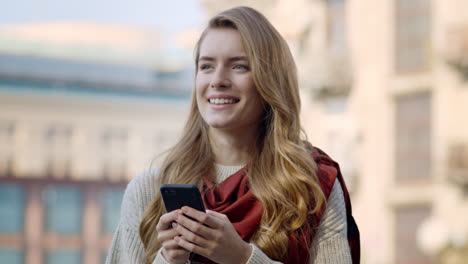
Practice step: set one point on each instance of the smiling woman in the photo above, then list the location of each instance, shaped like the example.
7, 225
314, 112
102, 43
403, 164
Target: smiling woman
271, 196
226, 94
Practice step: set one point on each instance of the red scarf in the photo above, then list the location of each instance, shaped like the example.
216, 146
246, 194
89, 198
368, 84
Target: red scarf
233, 198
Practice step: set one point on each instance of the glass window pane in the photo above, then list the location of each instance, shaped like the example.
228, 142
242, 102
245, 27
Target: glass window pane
413, 137
63, 256
11, 256
11, 208
408, 219
64, 209
413, 30
111, 203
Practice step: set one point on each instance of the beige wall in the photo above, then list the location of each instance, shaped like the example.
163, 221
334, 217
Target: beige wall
151, 127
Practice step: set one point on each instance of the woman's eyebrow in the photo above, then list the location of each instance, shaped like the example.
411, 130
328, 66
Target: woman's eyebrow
238, 58
235, 58
206, 58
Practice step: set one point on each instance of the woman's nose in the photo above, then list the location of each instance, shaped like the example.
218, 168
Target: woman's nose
220, 79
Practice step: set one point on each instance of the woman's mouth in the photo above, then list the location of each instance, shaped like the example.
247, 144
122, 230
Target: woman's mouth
222, 101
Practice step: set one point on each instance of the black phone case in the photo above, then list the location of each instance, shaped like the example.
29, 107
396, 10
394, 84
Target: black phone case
176, 196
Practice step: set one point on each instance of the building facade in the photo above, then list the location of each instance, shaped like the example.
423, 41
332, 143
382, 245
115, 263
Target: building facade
385, 92
73, 132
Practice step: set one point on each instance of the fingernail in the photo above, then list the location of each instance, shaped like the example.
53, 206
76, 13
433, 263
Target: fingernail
174, 225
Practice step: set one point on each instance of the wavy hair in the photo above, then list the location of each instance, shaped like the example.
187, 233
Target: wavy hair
282, 175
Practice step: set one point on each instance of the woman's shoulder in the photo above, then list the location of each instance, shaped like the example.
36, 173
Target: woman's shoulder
143, 188
140, 192
328, 170
142, 179
321, 158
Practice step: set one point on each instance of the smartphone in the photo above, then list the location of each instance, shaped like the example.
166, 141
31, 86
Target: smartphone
176, 196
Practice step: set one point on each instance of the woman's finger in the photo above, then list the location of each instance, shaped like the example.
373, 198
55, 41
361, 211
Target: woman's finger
217, 215
190, 236
206, 232
171, 244
171, 250
167, 234
201, 217
165, 220
191, 247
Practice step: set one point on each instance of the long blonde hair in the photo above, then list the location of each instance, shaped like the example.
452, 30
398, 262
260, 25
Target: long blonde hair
282, 175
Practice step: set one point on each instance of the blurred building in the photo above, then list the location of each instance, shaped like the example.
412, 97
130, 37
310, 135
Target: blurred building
86, 107
83, 109
385, 92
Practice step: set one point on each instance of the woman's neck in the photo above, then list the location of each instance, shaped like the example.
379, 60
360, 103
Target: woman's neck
232, 148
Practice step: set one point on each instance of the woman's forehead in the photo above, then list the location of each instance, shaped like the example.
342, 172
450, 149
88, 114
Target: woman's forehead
222, 42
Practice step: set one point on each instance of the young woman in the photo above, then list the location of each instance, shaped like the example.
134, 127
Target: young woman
271, 196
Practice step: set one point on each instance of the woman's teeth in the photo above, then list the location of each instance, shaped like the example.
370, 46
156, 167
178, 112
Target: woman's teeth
222, 101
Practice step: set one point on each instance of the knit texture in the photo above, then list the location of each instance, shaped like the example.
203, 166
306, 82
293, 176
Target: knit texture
223, 172
330, 244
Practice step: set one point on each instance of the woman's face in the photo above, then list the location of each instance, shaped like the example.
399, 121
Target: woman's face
226, 95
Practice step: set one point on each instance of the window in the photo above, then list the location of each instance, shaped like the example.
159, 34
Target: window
63, 216
408, 220
7, 131
11, 208
103, 257
58, 139
63, 256
413, 34
336, 105
64, 208
11, 256
114, 142
114, 139
337, 27
413, 138
111, 203
336, 75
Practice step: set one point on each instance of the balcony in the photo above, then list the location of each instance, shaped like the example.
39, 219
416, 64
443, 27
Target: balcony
458, 165
457, 51
333, 77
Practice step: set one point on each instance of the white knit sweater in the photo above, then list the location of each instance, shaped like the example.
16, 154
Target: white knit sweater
330, 244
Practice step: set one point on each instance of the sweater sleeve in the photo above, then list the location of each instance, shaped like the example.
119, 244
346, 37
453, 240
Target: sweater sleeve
330, 244
331, 241
126, 246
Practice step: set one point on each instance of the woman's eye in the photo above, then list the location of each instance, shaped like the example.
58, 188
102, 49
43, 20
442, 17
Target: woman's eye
204, 67
241, 67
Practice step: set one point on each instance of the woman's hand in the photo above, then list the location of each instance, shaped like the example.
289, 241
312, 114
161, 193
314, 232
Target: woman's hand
172, 252
213, 236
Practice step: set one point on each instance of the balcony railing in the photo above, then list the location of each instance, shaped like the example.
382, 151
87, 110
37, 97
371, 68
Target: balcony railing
458, 165
39, 151
334, 77
457, 50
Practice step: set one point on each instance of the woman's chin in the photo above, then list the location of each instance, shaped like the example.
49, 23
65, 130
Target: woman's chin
219, 125
222, 124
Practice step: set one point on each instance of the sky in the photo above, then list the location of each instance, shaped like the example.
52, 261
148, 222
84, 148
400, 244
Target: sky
165, 15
